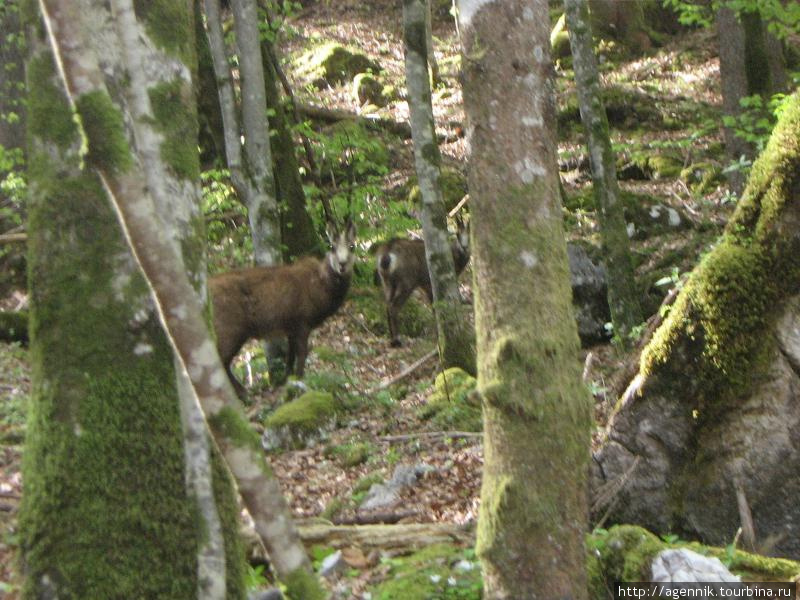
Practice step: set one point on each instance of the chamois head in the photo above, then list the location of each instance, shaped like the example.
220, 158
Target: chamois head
342, 247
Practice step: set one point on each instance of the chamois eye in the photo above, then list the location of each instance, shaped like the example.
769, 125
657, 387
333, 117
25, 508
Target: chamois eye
352, 246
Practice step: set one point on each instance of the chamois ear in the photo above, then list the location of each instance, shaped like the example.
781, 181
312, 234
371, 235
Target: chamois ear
350, 230
331, 231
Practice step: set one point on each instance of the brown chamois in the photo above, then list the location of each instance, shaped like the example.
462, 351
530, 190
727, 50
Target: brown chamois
284, 300
401, 267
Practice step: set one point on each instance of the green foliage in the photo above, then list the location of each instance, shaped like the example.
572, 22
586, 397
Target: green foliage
352, 453
782, 18
756, 120
254, 577
229, 241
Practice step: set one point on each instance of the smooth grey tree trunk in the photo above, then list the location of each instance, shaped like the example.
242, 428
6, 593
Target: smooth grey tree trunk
537, 413
455, 337
623, 294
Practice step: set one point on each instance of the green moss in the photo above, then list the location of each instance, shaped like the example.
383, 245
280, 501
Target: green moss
102, 122
173, 105
625, 553
332, 64
232, 425
702, 177
727, 307
453, 185
303, 585
427, 574
170, 25
14, 326
368, 90
662, 166
454, 403
352, 454
366, 482
306, 414
50, 117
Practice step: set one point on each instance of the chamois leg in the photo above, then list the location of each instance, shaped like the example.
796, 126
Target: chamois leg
395, 304
301, 348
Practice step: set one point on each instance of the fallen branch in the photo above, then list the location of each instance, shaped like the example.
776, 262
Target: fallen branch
385, 537
13, 238
377, 518
330, 115
431, 434
402, 374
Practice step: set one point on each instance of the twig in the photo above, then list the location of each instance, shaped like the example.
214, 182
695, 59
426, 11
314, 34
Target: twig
431, 435
13, 238
402, 374
373, 519
458, 206
587, 367
608, 495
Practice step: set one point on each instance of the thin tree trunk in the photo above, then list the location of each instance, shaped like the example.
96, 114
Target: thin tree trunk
429, 49
733, 82
536, 410
262, 206
297, 230
455, 338
626, 313
139, 203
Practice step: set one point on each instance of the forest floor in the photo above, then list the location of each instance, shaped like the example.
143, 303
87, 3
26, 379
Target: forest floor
666, 100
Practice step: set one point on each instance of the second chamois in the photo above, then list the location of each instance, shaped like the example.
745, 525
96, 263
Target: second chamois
282, 301
402, 267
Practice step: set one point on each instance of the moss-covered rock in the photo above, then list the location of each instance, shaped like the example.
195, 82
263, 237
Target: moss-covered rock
438, 571
454, 403
626, 553
367, 89
453, 184
301, 422
702, 177
332, 64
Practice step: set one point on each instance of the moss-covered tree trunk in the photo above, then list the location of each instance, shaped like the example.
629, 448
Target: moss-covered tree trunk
297, 230
536, 411
713, 412
622, 292
121, 498
456, 341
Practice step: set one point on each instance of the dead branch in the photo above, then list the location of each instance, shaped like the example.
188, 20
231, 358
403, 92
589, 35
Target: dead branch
402, 374
385, 537
377, 518
13, 238
330, 115
431, 435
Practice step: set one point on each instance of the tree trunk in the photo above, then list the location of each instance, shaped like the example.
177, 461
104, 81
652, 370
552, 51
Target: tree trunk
536, 410
622, 291
429, 50
713, 411
456, 343
733, 82
262, 206
105, 462
212, 128
134, 159
297, 230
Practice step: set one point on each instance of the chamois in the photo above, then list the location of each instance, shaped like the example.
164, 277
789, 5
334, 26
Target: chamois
401, 267
284, 300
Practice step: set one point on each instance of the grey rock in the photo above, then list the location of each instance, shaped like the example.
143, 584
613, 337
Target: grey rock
589, 282
685, 566
332, 564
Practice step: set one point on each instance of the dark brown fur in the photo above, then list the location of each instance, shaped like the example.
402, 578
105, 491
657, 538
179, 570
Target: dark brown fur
402, 267
285, 300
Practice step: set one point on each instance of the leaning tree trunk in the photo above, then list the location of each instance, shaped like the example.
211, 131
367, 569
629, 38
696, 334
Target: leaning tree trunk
713, 412
622, 292
456, 343
297, 229
533, 514
128, 155
111, 464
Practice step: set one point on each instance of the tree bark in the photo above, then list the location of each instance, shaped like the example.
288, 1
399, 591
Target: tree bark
733, 82
297, 230
536, 411
105, 462
262, 205
623, 301
123, 160
456, 344
713, 408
